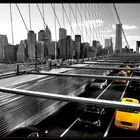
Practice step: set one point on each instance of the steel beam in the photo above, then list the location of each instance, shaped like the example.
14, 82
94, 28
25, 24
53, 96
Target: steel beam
87, 76
68, 98
103, 68
103, 63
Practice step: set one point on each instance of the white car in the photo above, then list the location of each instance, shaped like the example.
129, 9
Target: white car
96, 84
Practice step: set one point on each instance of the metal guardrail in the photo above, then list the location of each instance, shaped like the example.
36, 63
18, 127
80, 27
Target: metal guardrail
88, 76
103, 68
104, 63
67, 98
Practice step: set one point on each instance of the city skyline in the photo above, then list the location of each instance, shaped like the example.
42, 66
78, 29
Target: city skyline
103, 24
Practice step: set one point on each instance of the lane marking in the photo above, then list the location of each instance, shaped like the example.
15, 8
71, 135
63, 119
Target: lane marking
68, 128
105, 90
108, 128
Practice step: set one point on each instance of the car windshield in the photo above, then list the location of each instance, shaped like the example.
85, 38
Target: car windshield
130, 111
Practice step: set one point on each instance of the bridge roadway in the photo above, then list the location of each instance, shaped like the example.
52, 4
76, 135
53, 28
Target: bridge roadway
19, 111
64, 123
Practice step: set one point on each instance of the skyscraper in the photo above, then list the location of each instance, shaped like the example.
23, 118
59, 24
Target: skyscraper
62, 33
48, 34
137, 46
41, 35
21, 51
3, 43
31, 45
118, 44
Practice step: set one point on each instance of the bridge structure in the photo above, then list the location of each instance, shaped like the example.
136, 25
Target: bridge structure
40, 112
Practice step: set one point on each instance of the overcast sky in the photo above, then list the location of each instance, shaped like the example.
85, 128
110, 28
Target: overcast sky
94, 21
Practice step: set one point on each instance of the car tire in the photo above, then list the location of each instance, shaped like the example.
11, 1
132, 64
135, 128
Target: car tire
29, 131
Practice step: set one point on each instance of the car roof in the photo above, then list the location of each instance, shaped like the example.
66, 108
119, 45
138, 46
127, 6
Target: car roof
130, 100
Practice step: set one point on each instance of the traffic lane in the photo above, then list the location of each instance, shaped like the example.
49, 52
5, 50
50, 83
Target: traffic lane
114, 92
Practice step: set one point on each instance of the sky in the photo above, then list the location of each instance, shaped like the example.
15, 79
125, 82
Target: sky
92, 21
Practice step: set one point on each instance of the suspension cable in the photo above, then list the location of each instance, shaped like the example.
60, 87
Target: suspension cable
55, 31
11, 24
121, 23
91, 18
75, 17
91, 31
56, 15
103, 15
30, 16
84, 24
41, 14
81, 22
68, 19
22, 18
93, 15
63, 16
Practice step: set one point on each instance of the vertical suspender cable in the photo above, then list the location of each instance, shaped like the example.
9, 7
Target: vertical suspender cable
80, 13
94, 24
30, 17
55, 30
76, 20
70, 20
11, 24
87, 35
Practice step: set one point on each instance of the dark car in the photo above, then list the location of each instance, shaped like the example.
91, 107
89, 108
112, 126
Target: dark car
96, 84
134, 85
92, 116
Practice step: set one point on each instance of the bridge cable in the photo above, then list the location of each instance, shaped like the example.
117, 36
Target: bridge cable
84, 24
22, 18
56, 15
68, 19
94, 24
74, 17
30, 17
80, 13
11, 24
63, 16
87, 20
55, 30
43, 15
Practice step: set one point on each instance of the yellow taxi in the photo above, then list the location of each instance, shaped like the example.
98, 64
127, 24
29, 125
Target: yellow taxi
121, 73
128, 71
127, 119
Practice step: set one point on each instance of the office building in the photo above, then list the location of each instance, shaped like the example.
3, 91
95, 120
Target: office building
3, 43
31, 45
21, 52
118, 43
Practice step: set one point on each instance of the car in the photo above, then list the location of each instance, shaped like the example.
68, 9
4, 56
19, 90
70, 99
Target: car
128, 71
96, 84
92, 117
134, 85
121, 73
126, 119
